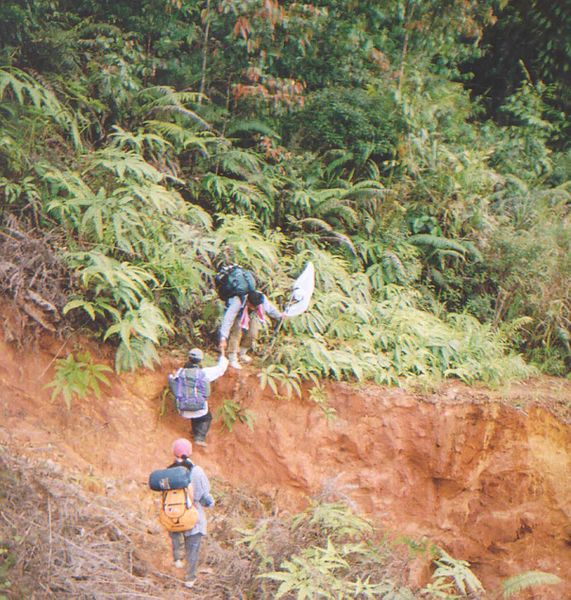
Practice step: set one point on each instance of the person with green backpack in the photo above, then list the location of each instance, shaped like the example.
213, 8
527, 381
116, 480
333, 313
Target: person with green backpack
190, 386
244, 313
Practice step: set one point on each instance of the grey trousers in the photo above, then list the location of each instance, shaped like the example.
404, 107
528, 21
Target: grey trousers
243, 340
187, 546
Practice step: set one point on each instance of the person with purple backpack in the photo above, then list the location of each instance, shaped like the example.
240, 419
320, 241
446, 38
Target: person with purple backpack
191, 388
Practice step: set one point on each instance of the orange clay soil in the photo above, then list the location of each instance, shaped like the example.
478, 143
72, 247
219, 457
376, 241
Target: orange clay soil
484, 474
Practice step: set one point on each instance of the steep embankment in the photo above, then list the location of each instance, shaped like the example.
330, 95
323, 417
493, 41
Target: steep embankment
487, 480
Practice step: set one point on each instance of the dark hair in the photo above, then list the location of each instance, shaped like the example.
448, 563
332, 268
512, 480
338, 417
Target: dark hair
255, 298
192, 362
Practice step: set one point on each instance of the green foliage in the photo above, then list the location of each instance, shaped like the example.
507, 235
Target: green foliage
318, 395
317, 572
327, 551
363, 124
152, 142
77, 378
451, 577
121, 294
334, 519
281, 380
25, 90
230, 412
523, 581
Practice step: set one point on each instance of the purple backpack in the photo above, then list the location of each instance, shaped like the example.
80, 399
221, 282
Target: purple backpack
191, 389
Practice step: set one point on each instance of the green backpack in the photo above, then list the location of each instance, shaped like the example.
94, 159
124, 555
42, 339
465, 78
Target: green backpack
234, 280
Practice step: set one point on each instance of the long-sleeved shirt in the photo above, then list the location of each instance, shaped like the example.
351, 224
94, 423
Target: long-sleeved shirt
200, 494
211, 373
234, 309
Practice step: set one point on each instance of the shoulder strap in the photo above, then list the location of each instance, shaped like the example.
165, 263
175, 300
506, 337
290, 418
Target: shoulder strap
188, 464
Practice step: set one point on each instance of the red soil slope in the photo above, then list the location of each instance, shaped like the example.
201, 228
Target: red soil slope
464, 468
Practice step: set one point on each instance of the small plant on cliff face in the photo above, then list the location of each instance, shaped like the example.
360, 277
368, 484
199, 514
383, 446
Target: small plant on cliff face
280, 378
318, 395
231, 411
76, 378
452, 579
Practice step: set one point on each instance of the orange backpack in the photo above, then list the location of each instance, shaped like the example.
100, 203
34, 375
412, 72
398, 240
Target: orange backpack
178, 513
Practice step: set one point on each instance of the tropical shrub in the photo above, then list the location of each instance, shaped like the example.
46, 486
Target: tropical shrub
230, 412
77, 377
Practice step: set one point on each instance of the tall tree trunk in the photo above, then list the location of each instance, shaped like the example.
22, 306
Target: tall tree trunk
205, 52
408, 12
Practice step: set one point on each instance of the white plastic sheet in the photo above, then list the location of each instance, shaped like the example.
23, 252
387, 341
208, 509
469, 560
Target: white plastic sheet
302, 291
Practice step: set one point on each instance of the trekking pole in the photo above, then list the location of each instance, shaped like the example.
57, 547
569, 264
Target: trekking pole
277, 330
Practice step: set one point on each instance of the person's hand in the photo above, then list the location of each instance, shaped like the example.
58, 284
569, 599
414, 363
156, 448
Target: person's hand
283, 315
207, 501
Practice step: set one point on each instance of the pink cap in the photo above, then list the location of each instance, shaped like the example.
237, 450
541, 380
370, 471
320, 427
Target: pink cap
181, 447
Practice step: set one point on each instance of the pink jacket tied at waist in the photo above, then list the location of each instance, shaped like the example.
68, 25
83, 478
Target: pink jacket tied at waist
245, 318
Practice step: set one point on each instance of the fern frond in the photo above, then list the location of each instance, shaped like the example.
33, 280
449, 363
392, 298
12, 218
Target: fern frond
515, 584
251, 126
166, 99
437, 243
25, 88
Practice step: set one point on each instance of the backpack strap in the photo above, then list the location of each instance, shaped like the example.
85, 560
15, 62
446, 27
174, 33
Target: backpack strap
195, 388
186, 463
178, 380
188, 500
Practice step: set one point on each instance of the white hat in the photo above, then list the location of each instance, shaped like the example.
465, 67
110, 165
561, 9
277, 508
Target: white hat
196, 354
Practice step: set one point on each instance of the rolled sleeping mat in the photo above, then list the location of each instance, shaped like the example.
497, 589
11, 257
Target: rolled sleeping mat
174, 478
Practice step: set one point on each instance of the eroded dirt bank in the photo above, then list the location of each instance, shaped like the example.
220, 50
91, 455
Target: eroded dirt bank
487, 480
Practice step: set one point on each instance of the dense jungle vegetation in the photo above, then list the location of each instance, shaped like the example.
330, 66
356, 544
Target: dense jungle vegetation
416, 151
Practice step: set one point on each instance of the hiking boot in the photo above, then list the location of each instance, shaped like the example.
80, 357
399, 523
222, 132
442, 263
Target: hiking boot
233, 361
200, 443
189, 583
179, 564
245, 358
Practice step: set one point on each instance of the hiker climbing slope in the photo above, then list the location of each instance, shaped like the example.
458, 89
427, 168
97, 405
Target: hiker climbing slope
246, 309
186, 539
191, 388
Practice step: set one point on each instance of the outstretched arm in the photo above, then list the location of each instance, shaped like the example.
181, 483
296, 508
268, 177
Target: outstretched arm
212, 373
272, 311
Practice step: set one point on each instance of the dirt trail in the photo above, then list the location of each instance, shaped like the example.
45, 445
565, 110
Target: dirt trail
488, 481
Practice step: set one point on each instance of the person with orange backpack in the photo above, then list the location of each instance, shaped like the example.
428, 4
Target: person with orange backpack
185, 492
